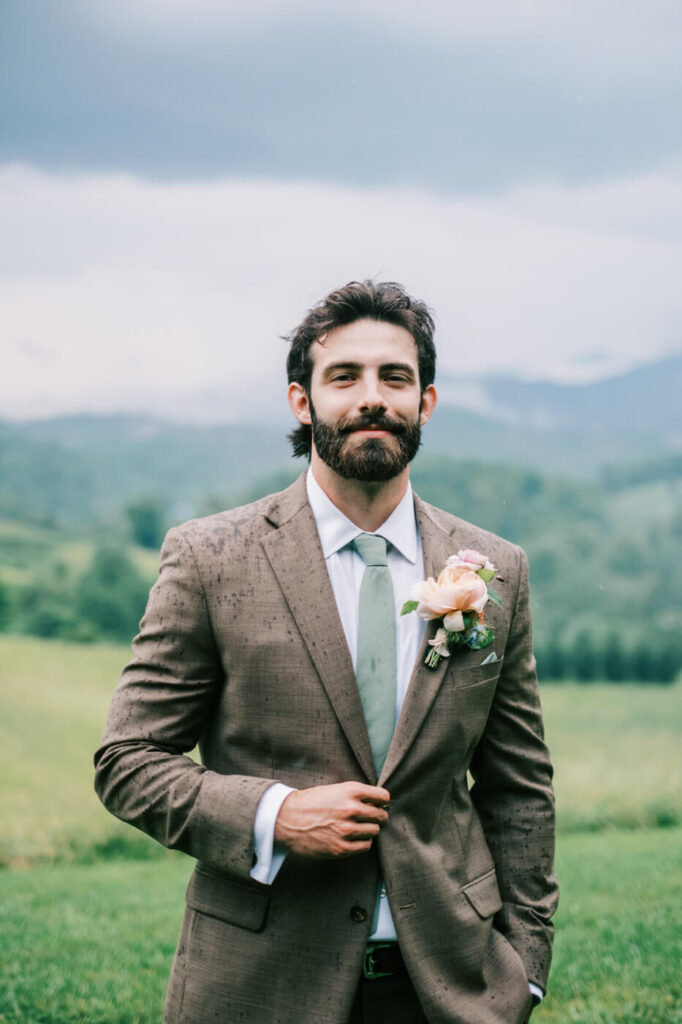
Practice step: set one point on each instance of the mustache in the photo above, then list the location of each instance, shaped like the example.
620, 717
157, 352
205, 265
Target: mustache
373, 422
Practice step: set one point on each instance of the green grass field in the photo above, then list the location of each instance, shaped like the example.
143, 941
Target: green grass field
616, 752
53, 702
89, 925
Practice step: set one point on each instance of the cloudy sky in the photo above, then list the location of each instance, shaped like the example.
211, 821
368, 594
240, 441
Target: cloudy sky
181, 179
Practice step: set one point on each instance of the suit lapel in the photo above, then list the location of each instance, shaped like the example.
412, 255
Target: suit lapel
437, 546
295, 554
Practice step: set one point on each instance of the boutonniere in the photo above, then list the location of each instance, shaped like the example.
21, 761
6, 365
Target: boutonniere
458, 596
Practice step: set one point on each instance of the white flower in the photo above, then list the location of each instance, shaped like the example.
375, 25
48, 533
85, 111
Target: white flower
440, 643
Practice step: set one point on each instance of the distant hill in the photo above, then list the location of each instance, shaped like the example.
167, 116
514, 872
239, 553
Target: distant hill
647, 399
573, 429
580, 452
80, 466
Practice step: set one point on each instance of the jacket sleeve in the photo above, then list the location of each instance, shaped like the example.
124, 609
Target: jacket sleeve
513, 794
160, 708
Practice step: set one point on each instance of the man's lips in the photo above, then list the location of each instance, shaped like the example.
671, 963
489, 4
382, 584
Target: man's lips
372, 430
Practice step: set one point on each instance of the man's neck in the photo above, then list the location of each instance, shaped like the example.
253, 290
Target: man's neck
368, 504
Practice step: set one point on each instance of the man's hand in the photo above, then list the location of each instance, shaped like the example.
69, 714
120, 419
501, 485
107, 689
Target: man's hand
332, 821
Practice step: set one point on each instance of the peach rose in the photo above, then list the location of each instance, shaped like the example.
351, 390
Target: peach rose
458, 589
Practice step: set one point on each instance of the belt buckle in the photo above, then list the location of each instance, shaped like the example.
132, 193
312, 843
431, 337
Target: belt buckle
368, 961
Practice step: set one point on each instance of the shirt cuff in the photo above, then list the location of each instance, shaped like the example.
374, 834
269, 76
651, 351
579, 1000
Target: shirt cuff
536, 991
269, 855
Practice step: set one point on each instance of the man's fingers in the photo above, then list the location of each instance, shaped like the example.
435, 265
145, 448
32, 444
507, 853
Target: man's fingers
336, 820
362, 812
371, 804
364, 830
373, 795
363, 846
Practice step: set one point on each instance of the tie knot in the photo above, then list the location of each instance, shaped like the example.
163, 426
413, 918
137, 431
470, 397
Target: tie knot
371, 548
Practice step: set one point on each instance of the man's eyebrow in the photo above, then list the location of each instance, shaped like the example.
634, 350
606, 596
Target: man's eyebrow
342, 366
392, 367
384, 368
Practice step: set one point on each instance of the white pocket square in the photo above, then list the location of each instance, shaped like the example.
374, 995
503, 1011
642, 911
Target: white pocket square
491, 659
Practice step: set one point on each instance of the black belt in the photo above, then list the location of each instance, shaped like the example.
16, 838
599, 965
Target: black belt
383, 959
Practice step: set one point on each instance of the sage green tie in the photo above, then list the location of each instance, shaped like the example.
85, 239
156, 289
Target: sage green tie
376, 658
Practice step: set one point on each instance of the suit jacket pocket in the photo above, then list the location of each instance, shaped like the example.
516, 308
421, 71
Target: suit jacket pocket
237, 903
484, 895
472, 675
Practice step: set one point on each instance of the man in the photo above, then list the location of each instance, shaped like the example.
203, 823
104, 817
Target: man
346, 871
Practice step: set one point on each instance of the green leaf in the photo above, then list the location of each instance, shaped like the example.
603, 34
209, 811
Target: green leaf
486, 574
494, 597
409, 606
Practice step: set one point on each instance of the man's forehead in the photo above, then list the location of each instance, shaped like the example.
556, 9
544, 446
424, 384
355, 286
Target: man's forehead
365, 341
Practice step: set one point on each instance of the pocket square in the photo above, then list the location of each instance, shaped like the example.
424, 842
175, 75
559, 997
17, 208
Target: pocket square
491, 659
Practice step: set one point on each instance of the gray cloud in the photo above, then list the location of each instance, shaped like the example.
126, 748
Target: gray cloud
148, 295
455, 98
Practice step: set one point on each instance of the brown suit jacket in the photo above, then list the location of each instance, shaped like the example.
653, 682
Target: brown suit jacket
241, 650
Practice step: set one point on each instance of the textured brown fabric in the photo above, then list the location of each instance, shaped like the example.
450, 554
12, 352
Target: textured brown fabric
241, 650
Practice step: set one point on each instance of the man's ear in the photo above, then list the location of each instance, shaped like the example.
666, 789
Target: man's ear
428, 404
299, 403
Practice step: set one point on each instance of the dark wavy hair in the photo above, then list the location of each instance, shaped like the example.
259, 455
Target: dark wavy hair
358, 300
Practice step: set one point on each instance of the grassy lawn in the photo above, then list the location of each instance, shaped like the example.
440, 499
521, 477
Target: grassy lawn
53, 701
616, 752
618, 943
93, 943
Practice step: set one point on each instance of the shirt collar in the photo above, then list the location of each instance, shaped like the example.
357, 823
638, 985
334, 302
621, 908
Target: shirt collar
336, 530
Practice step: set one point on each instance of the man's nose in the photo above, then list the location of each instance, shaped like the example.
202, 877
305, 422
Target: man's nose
372, 396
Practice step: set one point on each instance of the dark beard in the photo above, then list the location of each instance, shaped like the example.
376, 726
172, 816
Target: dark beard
374, 460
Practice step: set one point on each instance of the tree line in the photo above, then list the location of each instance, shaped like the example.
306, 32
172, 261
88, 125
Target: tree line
610, 659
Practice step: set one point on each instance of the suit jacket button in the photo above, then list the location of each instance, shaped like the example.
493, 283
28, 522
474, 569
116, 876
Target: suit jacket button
358, 914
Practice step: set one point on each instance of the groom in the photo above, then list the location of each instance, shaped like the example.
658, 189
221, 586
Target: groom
347, 872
